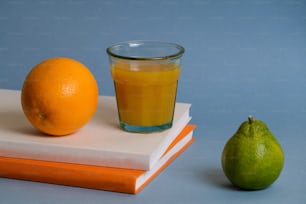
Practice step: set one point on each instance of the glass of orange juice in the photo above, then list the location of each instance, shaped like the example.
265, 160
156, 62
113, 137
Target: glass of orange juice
145, 75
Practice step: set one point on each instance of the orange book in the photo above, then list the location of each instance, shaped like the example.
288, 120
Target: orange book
94, 177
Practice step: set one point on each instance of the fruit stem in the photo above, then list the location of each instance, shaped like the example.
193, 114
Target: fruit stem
251, 119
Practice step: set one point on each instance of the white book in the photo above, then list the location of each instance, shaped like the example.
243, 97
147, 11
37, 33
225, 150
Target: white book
100, 142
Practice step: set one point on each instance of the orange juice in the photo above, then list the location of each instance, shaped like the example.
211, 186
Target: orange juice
145, 75
145, 92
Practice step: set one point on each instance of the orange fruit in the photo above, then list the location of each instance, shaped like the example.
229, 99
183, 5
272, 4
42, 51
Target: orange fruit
59, 96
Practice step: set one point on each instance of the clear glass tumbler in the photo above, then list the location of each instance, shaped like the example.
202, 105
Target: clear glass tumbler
145, 75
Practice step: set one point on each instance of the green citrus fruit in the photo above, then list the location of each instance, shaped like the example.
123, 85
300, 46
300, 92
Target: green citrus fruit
252, 158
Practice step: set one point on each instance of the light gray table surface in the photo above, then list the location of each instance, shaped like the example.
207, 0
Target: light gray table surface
242, 57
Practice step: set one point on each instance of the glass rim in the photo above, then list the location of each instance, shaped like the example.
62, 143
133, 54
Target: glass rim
175, 55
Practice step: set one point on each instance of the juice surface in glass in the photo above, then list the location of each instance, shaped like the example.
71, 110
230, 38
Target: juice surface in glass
145, 92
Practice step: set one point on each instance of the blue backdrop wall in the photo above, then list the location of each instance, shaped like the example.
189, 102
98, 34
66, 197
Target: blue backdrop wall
241, 56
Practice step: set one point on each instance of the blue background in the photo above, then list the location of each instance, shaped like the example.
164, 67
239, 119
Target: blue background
242, 57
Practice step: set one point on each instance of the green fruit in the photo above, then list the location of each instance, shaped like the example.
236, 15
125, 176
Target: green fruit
252, 158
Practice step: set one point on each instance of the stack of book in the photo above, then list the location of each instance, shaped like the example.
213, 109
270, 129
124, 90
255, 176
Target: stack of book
98, 156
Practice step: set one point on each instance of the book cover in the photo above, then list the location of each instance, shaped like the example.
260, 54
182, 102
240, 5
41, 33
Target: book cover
101, 142
94, 177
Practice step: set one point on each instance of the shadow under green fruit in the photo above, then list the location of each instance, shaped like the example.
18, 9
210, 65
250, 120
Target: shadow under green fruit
252, 158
